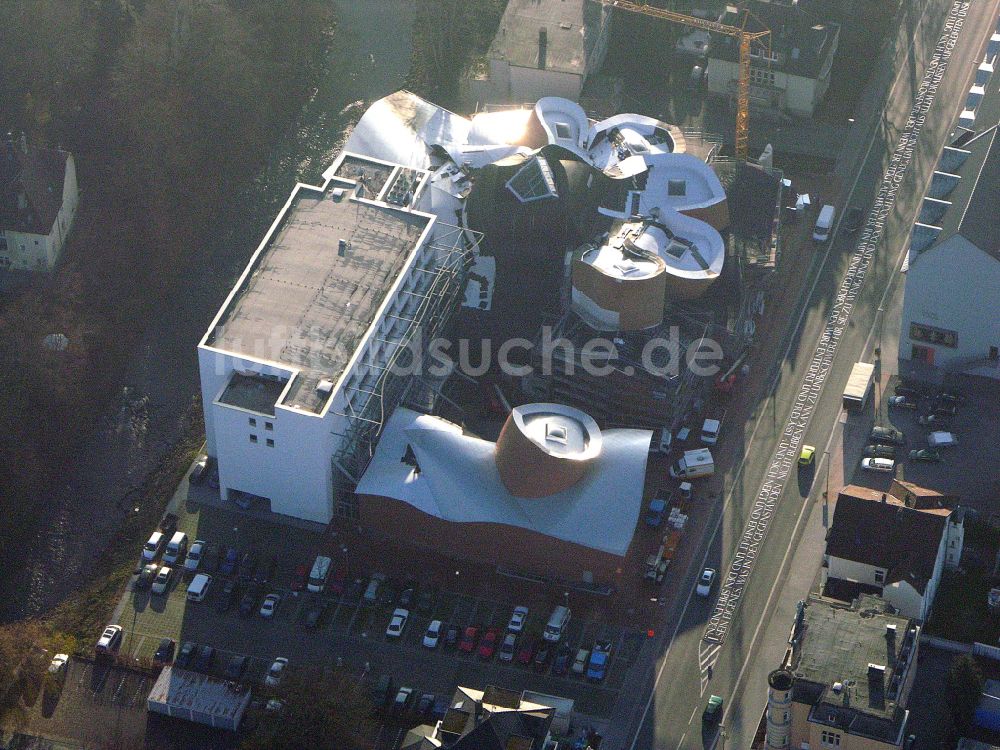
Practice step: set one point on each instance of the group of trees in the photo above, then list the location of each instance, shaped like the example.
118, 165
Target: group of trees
167, 106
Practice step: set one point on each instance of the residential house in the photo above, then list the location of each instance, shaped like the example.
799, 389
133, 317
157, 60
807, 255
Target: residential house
950, 321
484, 720
846, 678
793, 77
542, 48
38, 200
894, 543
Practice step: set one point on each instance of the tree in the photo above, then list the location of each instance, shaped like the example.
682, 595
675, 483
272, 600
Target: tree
320, 713
964, 687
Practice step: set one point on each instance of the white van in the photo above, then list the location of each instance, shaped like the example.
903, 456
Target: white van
152, 548
198, 588
317, 576
824, 223
177, 547
710, 431
557, 622
694, 464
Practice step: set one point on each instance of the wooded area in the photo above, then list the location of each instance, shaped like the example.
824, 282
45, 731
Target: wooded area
166, 105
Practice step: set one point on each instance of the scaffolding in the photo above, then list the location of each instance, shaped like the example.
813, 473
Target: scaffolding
369, 404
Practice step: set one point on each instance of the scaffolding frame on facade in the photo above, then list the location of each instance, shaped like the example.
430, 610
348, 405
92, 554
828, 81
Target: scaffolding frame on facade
442, 282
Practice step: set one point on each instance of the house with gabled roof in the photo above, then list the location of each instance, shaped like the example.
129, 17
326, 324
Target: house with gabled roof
895, 544
38, 200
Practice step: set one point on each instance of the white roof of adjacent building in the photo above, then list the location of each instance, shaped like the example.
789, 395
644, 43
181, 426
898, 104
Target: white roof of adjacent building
458, 481
183, 691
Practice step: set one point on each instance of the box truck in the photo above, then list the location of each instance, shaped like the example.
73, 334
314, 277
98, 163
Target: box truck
859, 386
694, 464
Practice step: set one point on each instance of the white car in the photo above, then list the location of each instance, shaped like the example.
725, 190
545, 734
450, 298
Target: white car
269, 605
276, 672
517, 619
110, 640
704, 587
397, 623
152, 548
194, 556
162, 581
433, 634
57, 669
878, 464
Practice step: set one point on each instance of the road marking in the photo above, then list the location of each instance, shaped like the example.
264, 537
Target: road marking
753, 433
692, 715
821, 363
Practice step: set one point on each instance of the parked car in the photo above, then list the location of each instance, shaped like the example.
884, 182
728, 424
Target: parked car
433, 634
853, 219
451, 637
235, 667
879, 451
425, 706
934, 421
598, 665
397, 623
275, 672
944, 409
517, 619
299, 578
194, 556
927, 455
560, 665
954, 395
887, 436
705, 582
468, 641
507, 648
154, 546
713, 711
902, 402
228, 565
886, 465
488, 644
230, 593
199, 470
402, 702
248, 603
186, 654
580, 661
313, 613
248, 566
382, 691
164, 652
146, 576
110, 640
162, 581
204, 658
269, 606
527, 651
58, 667
543, 656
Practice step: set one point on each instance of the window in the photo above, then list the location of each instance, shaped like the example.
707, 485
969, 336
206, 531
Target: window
932, 335
253, 422
268, 426
830, 739
879, 576
253, 438
562, 130
760, 77
270, 443
922, 354
676, 187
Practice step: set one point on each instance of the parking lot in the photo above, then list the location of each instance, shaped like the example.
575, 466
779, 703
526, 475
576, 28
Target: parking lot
352, 634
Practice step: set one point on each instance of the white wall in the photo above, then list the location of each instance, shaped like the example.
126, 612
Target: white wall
953, 286
849, 570
531, 84
793, 94
906, 599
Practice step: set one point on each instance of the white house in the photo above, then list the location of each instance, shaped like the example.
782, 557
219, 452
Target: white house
896, 544
796, 75
542, 48
950, 321
38, 200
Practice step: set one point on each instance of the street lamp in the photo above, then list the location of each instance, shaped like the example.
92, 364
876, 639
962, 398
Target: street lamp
826, 492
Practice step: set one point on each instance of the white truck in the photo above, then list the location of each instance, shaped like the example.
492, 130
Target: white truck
859, 385
710, 431
694, 464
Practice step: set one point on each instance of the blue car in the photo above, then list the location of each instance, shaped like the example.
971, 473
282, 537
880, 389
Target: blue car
228, 566
598, 662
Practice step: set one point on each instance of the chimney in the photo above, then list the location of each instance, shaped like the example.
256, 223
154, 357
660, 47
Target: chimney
543, 45
890, 632
883, 497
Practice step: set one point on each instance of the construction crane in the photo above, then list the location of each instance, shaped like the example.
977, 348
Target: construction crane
746, 38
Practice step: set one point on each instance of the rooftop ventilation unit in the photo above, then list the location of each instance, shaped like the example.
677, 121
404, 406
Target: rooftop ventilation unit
324, 386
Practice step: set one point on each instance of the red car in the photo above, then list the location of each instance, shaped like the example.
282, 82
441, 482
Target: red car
527, 652
337, 582
468, 642
299, 578
489, 644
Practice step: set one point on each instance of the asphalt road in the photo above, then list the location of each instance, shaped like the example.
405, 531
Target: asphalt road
784, 569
